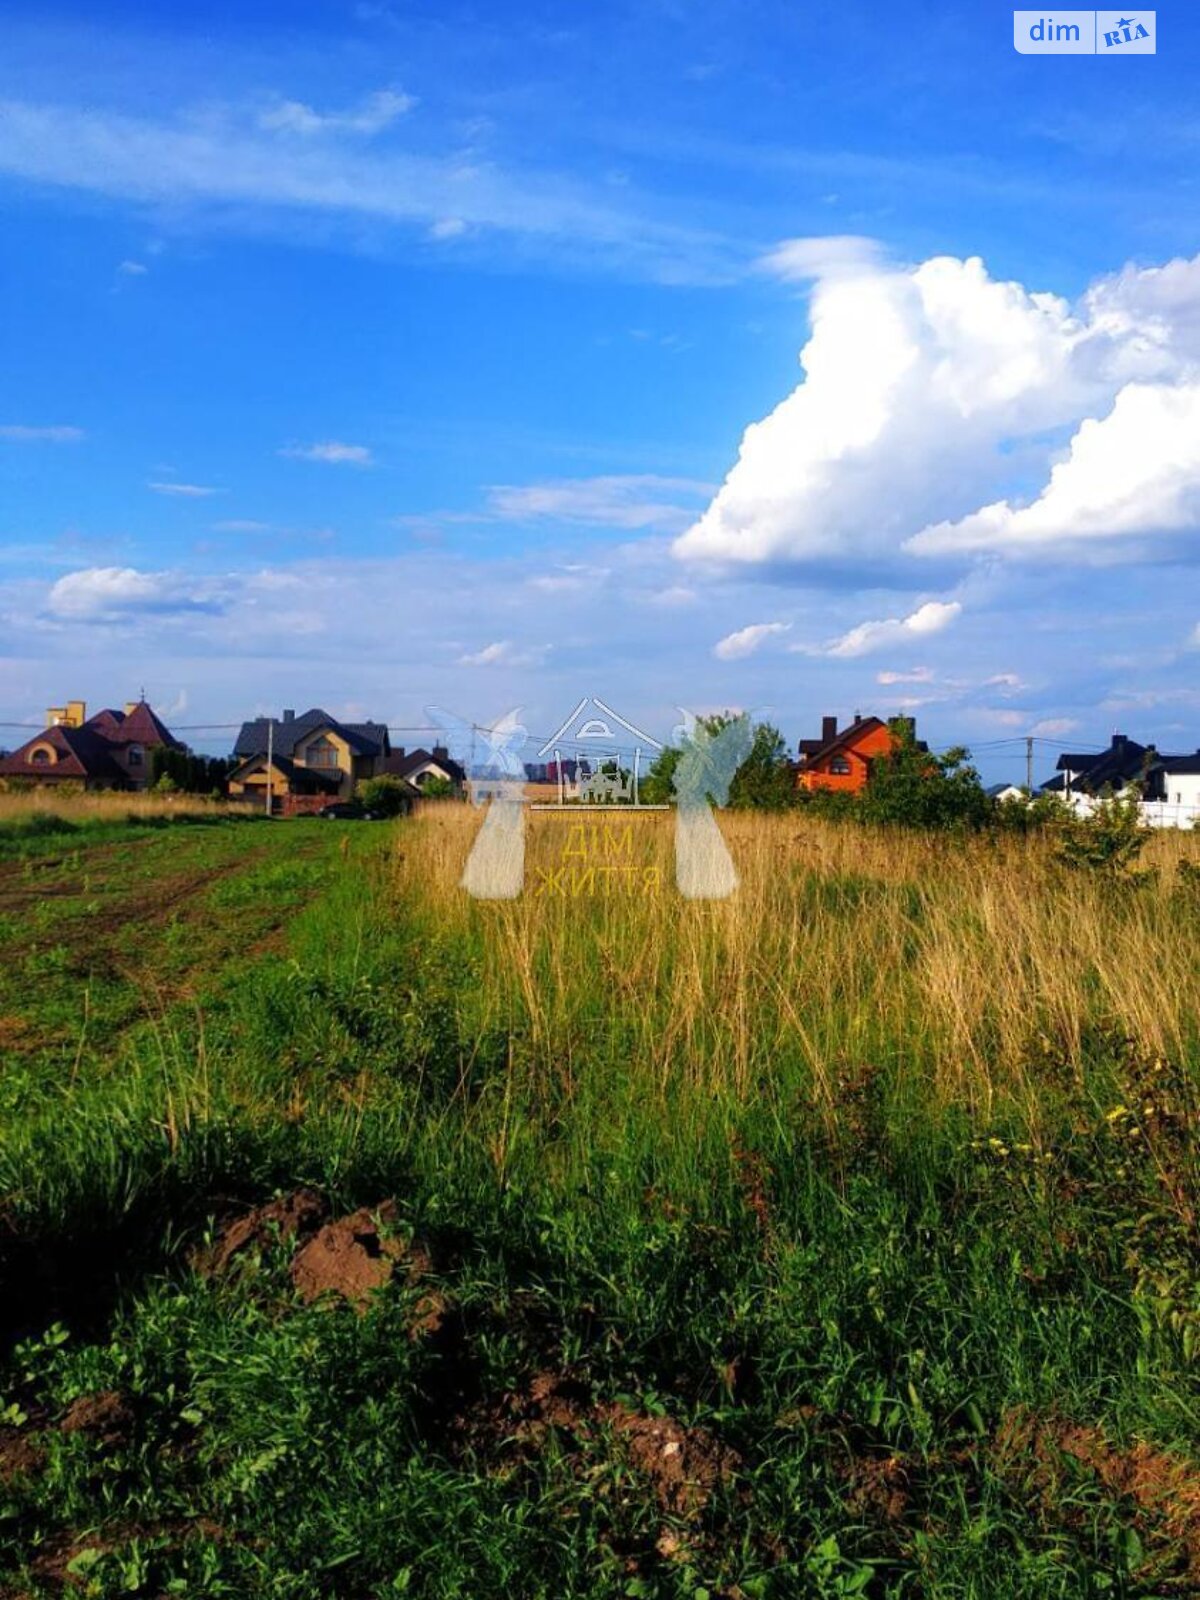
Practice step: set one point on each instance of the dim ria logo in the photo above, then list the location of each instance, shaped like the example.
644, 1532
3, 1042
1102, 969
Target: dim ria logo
1085, 33
595, 765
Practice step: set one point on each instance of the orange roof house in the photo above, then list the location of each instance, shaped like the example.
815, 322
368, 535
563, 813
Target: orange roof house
842, 761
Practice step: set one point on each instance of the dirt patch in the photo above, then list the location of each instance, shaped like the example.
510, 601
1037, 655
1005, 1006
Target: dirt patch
1164, 1489
22, 1455
357, 1255
683, 1466
291, 1217
106, 1417
877, 1488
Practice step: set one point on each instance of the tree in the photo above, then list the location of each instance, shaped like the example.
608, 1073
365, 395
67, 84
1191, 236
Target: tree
915, 788
387, 795
764, 781
1110, 840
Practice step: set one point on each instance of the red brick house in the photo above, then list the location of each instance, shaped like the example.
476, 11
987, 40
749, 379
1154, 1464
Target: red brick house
842, 761
111, 750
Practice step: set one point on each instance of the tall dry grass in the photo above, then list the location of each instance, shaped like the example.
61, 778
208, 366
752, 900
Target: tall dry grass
975, 974
102, 805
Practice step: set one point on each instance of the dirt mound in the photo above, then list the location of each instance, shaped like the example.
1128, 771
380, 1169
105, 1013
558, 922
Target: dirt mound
357, 1255
293, 1216
684, 1466
877, 1487
105, 1416
22, 1454
1164, 1489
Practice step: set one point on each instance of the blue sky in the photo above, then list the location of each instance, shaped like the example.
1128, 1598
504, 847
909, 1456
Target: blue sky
388, 354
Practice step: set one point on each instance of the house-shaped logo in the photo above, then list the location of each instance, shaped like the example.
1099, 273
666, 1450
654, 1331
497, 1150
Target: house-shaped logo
596, 758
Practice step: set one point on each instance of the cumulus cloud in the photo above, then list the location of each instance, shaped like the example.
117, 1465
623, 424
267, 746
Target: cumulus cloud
109, 594
1054, 727
332, 451
1133, 473
935, 395
736, 646
372, 115
133, 269
636, 500
932, 617
184, 491
21, 433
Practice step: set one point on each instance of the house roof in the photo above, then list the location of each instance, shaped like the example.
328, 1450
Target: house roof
1124, 760
289, 769
364, 738
142, 726
1183, 765
1076, 762
814, 751
404, 766
82, 753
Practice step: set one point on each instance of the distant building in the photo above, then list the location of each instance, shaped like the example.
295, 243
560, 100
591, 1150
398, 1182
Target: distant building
111, 750
306, 761
841, 762
420, 766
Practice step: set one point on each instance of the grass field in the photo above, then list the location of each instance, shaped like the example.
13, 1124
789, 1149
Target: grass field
361, 1239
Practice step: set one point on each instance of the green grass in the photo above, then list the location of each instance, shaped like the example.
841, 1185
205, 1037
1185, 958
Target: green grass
890, 1317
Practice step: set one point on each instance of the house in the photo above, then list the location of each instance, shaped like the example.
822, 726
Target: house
110, 750
1124, 762
420, 767
1173, 791
1167, 787
1006, 791
306, 761
841, 762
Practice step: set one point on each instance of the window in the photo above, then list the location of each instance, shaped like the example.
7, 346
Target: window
42, 756
840, 767
135, 755
322, 752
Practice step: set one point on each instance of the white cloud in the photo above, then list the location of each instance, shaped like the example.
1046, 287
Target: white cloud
736, 646
932, 391
106, 594
504, 653
932, 617
917, 675
373, 114
1054, 727
311, 163
448, 228
827, 256
332, 451
133, 269
1133, 473
639, 500
185, 491
242, 525
21, 433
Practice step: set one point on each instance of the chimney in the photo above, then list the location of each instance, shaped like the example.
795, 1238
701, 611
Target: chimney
828, 729
1120, 740
72, 715
130, 707
398, 752
857, 718
440, 753
289, 715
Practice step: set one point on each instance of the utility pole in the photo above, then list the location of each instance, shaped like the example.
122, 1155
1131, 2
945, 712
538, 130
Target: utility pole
270, 757
1029, 762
